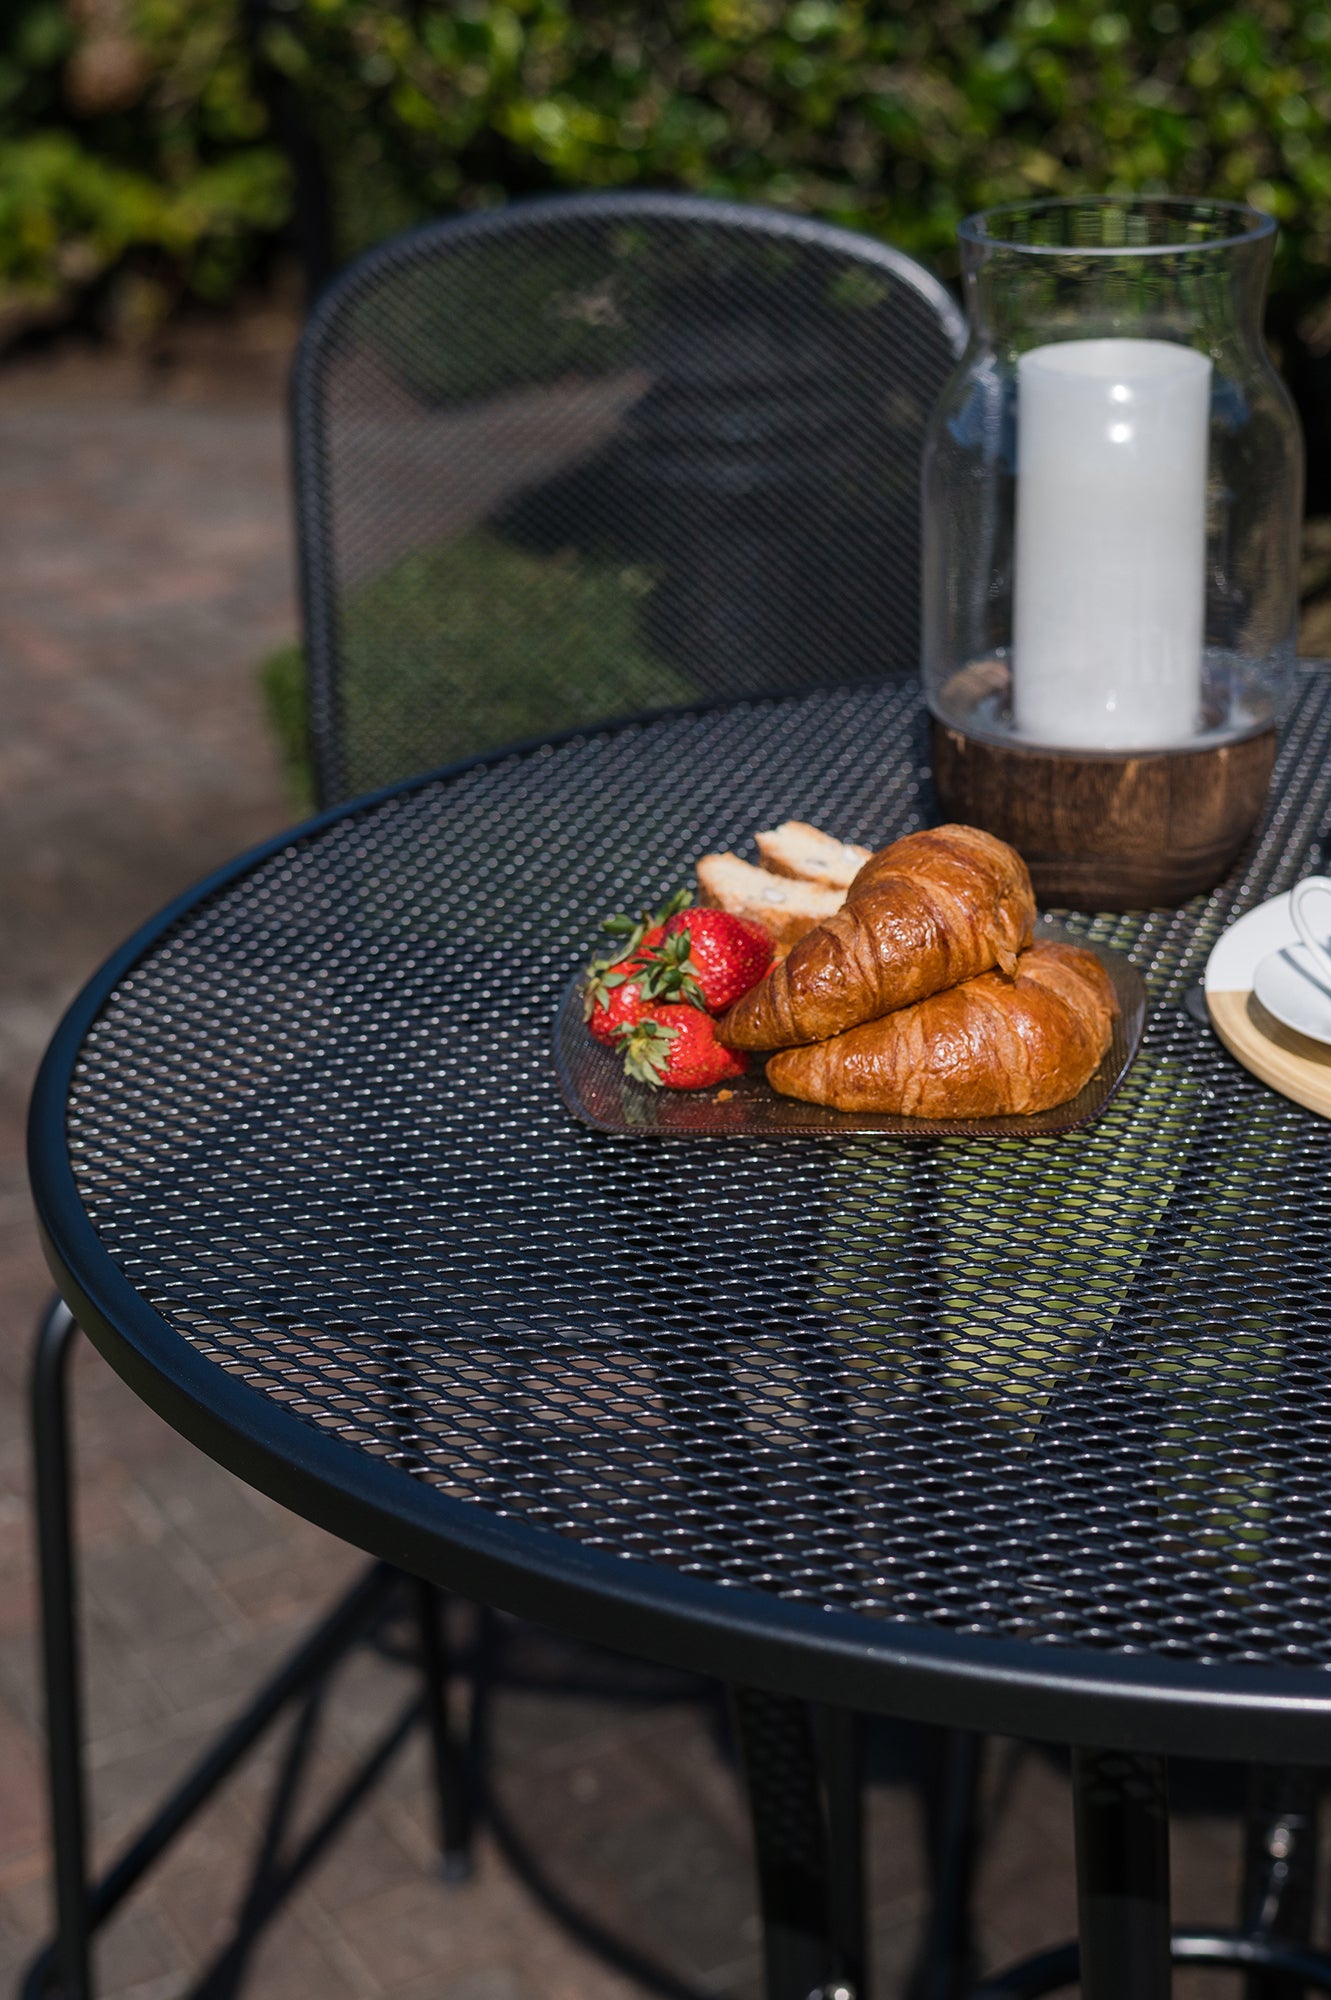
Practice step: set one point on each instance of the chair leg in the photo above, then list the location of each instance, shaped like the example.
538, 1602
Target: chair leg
60, 1649
70, 1962
450, 1777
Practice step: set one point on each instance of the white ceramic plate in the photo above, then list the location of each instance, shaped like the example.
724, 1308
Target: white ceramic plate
1239, 951
1290, 1059
1289, 986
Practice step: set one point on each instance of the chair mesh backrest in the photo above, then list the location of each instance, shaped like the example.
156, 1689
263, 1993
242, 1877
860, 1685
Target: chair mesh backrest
599, 454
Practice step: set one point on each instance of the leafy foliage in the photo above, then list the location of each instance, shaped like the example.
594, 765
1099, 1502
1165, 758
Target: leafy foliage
886, 114
132, 147
893, 117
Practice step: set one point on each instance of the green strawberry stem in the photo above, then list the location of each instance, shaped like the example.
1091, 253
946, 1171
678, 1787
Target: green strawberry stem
670, 974
601, 979
645, 1046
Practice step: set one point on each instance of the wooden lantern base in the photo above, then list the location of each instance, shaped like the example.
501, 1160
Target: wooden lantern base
1102, 830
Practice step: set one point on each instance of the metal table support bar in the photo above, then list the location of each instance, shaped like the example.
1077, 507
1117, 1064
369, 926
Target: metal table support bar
1279, 1868
1052, 1971
813, 1934
946, 1967
841, 1733
1126, 1947
1121, 1811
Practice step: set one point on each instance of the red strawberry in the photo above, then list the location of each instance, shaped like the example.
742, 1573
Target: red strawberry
676, 1045
614, 996
612, 979
710, 957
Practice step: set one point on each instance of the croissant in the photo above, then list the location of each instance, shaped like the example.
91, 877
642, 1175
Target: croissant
989, 1046
929, 910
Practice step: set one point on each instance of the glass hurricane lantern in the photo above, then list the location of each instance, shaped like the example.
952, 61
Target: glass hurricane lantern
1112, 497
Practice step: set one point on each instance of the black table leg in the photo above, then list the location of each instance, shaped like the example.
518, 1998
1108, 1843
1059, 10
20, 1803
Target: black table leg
60, 1650
946, 1965
790, 1846
1122, 1819
1279, 1867
843, 1763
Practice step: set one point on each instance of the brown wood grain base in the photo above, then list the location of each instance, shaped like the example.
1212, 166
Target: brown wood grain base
1107, 832
1291, 1063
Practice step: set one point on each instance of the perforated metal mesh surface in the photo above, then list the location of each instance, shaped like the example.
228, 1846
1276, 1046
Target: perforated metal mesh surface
591, 456
1076, 1392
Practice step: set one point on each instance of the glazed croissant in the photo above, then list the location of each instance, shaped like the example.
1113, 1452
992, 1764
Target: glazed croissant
929, 910
989, 1046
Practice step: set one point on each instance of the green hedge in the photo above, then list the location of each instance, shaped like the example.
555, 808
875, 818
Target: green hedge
135, 163
135, 154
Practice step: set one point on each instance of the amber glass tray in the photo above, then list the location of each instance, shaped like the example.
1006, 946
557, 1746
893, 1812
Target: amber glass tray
596, 1090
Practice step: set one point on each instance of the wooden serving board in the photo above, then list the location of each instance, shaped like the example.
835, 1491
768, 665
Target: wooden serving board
1291, 1063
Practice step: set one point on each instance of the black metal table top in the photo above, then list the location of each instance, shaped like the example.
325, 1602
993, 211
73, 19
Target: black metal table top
1031, 1437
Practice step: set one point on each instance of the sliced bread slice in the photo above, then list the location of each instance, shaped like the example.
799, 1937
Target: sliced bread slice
786, 908
802, 851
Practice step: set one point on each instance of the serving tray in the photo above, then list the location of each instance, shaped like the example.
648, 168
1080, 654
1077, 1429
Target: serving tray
596, 1090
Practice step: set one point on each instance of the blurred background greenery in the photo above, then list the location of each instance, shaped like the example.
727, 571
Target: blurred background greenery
147, 143
155, 153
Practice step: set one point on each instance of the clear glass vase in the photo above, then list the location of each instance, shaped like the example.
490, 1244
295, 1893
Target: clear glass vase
1113, 484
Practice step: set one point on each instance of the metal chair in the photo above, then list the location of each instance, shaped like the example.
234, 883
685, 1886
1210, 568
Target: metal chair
555, 464
597, 454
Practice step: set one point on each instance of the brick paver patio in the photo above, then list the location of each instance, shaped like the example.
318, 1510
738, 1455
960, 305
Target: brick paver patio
146, 573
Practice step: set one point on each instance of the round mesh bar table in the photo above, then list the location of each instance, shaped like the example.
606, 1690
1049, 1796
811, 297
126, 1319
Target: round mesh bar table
1029, 1438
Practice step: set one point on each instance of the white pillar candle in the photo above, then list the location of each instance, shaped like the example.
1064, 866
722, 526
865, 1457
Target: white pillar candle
1109, 587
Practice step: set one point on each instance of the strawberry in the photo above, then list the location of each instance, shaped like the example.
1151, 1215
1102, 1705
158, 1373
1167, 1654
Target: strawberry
611, 994
615, 997
675, 1044
709, 958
